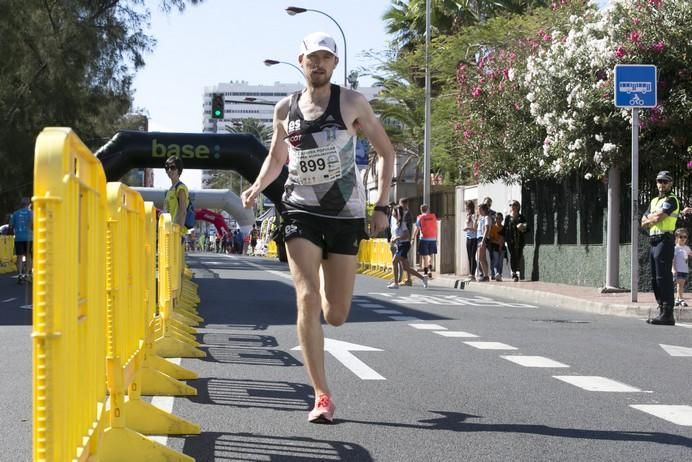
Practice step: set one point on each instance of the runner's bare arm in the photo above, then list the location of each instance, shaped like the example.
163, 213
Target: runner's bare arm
369, 125
275, 160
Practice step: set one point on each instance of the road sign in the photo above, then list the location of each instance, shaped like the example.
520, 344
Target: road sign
635, 85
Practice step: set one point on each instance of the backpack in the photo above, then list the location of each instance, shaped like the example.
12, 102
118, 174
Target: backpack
190, 211
190, 215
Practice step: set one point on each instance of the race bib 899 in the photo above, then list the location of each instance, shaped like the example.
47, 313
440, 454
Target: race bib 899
315, 166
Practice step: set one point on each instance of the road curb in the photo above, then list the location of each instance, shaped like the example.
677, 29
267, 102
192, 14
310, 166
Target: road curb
552, 299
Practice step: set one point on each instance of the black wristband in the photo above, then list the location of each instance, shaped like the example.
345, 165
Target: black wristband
381, 208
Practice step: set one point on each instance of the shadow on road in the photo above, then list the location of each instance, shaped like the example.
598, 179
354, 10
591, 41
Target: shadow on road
457, 422
14, 299
256, 394
212, 446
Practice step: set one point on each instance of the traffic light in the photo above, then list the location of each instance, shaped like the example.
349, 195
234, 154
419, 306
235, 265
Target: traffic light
217, 106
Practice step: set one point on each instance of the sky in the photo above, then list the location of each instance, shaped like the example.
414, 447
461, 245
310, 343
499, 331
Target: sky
228, 40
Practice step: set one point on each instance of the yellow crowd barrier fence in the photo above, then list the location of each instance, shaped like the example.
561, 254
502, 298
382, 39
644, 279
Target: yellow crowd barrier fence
96, 321
375, 258
7, 260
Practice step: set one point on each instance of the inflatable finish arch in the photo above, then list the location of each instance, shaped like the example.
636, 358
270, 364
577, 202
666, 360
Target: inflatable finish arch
242, 153
208, 199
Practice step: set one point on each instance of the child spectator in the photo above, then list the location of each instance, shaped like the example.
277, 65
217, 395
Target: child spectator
680, 268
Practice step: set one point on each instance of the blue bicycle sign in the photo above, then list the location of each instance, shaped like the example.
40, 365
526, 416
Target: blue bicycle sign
635, 86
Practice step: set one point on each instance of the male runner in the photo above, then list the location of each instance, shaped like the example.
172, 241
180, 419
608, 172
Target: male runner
315, 130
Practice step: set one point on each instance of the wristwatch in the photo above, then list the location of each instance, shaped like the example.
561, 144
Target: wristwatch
381, 208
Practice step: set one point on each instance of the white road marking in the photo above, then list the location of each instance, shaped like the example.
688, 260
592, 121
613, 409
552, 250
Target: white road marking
682, 324
370, 305
387, 311
456, 333
677, 414
281, 274
165, 403
342, 352
533, 361
675, 350
596, 383
420, 299
491, 346
428, 326
7, 300
404, 318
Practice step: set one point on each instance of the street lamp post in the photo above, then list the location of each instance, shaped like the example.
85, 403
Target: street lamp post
273, 62
294, 10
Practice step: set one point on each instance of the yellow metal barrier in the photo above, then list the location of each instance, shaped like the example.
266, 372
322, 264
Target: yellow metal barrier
7, 260
171, 341
375, 258
271, 249
126, 326
85, 330
69, 344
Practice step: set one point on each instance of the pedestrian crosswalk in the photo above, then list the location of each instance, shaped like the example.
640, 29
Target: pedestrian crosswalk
678, 414
448, 300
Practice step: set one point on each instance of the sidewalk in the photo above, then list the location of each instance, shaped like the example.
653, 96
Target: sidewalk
565, 296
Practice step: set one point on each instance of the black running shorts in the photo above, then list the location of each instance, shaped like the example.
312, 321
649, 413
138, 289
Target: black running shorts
332, 235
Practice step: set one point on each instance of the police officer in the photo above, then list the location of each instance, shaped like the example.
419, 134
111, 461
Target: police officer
660, 220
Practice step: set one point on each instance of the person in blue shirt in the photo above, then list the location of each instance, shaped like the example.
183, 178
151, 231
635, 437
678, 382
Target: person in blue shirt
22, 221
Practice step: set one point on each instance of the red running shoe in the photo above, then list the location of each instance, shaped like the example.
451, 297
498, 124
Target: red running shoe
323, 412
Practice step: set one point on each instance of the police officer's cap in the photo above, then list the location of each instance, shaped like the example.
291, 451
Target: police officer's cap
664, 175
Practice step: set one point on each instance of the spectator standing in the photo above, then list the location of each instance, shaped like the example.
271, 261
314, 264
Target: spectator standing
402, 244
254, 234
482, 236
496, 247
426, 228
660, 220
471, 241
408, 219
177, 196
514, 229
22, 224
680, 265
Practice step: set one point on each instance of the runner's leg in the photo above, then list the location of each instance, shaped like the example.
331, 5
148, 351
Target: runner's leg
338, 278
304, 259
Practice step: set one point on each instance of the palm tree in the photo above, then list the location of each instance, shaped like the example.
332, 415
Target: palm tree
228, 179
254, 127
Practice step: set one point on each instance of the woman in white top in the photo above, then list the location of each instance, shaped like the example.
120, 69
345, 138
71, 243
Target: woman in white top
401, 239
471, 242
680, 265
482, 236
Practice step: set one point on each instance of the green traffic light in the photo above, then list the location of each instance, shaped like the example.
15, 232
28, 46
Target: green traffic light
217, 113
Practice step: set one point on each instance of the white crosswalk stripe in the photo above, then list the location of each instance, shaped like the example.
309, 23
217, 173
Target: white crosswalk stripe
596, 383
427, 326
449, 300
677, 414
533, 361
491, 346
456, 334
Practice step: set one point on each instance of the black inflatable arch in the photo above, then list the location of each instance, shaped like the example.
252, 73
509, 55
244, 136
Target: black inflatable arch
242, 153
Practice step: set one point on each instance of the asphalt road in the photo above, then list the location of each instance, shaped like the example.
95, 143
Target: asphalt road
430, 375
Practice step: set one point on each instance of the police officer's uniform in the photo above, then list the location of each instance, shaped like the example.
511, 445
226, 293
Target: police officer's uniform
662, 249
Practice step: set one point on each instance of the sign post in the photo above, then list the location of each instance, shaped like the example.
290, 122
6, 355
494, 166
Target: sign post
635, 88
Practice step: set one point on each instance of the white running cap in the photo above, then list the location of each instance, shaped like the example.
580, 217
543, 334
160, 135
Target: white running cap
318, 41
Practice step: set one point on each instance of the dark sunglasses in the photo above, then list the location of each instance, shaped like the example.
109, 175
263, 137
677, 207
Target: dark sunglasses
662, 181
170, 167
